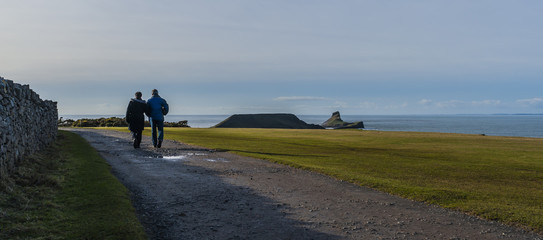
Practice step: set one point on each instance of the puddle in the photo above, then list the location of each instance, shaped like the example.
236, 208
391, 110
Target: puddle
169, 158
172, 158
197, 154
186, 158
216, 160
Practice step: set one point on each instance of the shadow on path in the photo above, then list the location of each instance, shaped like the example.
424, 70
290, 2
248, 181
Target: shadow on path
186, 192
176, 200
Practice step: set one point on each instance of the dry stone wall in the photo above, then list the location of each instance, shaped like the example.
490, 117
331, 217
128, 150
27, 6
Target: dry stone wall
27, 123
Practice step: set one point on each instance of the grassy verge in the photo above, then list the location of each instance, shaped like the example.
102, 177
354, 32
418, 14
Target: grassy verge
66, 192
497, 178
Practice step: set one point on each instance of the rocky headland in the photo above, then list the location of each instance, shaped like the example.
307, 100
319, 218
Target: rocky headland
336, 122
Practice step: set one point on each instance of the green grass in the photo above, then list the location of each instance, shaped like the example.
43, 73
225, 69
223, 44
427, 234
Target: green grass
66, 192
497, 178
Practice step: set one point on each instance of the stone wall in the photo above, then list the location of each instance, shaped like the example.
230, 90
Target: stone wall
27, 123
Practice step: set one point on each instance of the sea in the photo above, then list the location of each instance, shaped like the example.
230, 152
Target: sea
516, 125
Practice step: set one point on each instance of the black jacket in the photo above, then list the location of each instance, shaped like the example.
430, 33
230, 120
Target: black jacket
134, 114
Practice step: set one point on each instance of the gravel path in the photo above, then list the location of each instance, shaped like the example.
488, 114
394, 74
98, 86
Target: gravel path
186, 192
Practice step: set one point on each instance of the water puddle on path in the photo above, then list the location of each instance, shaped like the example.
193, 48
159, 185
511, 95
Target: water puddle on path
186, 157
167, 158
216, 160
173, 158
196, 154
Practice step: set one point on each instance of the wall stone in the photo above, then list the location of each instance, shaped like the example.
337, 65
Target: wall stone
27, 123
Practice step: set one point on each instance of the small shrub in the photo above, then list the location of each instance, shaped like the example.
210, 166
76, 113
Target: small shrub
111, 122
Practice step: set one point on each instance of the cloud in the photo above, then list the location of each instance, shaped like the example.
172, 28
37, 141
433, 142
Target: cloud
450, 104
486, 103
340, 104
425, 102
394, 106
534, 102
300, 98
459, 103
367, 105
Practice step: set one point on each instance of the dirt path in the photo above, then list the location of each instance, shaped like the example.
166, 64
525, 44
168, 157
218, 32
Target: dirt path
185, 192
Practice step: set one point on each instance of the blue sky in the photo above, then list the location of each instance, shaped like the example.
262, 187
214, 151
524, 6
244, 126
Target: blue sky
302, 57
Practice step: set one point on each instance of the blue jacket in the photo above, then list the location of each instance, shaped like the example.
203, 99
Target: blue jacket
158, 107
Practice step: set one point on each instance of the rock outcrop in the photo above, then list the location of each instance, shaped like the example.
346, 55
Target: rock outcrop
27, 123
275, 120
335, 122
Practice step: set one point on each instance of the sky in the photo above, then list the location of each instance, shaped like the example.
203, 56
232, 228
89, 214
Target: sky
284, 56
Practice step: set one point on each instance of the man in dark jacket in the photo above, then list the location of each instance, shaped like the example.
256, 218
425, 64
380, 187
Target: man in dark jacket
135, 118
157, 108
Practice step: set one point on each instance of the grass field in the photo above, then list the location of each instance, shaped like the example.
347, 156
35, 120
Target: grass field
66, 192
497, 178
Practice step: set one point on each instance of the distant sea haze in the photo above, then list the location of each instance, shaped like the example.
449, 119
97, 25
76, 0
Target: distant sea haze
491, 125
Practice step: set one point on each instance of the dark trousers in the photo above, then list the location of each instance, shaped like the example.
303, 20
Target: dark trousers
157, 128
137, 138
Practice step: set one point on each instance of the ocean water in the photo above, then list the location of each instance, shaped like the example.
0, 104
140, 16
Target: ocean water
492, 125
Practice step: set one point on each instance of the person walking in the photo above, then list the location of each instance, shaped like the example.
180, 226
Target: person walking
158, 107
135, 117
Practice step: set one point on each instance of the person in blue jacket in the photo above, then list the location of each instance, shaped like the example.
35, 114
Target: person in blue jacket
158, 107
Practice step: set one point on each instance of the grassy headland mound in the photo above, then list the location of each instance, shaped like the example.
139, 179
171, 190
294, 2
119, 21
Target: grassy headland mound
497, 178
275, 120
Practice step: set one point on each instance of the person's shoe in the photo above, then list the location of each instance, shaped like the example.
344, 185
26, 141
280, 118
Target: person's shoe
159, 144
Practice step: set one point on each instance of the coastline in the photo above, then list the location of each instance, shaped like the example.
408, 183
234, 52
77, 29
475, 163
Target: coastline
509, 125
